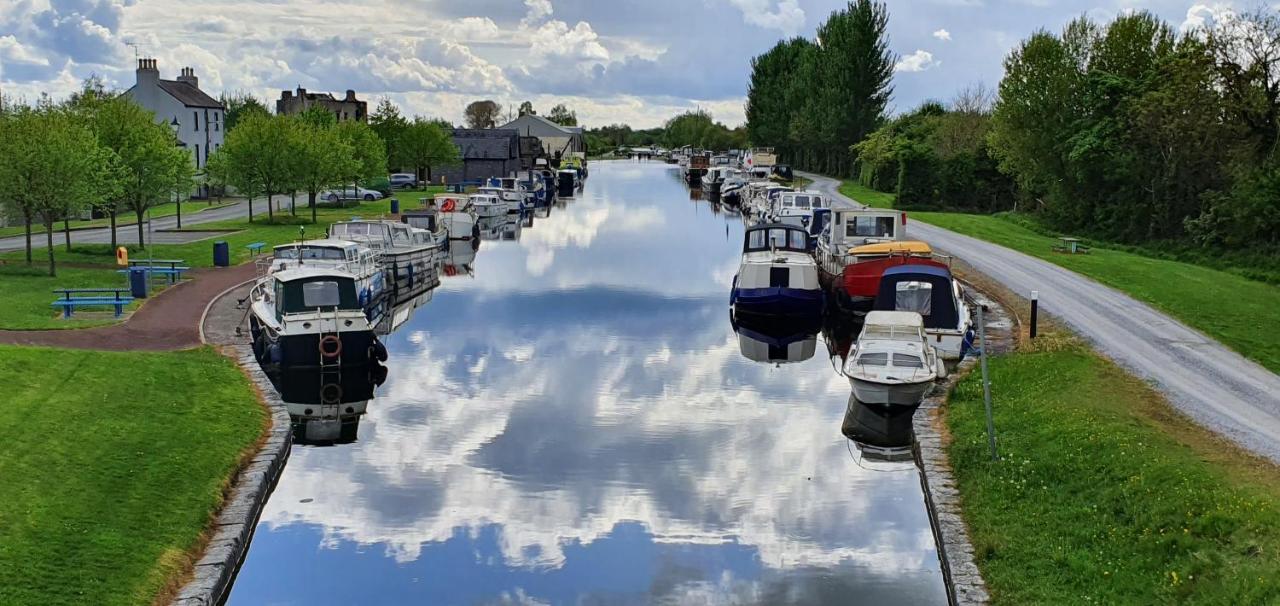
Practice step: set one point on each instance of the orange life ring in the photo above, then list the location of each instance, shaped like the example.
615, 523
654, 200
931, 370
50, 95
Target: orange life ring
449, 205
326, 342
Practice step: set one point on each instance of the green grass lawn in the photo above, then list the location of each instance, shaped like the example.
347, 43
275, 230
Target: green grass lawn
25, 300
190, 208
1243, 314
1105, 496
111, 468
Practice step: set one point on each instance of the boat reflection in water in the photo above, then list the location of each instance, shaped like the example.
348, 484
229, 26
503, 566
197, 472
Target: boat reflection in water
325, 405
776, 340
460, 260
881, 433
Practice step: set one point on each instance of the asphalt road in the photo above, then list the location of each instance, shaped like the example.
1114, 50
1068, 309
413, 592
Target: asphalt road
1212, 384
129, 233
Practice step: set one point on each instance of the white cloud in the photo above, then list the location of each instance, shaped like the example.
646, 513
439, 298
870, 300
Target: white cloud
918, 61
942, 35
1206, 15
785, 16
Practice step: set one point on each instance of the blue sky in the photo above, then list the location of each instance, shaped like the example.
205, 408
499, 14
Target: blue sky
625, 60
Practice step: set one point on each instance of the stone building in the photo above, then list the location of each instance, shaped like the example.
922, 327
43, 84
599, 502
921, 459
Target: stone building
487, 152
346, 108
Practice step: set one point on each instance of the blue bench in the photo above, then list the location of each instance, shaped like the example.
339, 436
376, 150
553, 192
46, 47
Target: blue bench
91, 297
255, 248
171, 269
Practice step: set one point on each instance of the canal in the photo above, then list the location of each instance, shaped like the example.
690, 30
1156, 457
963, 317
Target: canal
572, 418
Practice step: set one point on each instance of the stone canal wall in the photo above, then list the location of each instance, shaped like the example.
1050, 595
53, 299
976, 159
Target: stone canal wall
233, 527
964, 583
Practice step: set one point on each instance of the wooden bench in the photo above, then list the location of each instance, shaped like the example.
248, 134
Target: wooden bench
255, 248
91, 297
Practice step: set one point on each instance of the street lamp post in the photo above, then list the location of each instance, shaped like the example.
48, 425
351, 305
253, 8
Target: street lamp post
177, 198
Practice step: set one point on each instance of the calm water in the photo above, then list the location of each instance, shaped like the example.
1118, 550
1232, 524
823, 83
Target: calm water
571, 418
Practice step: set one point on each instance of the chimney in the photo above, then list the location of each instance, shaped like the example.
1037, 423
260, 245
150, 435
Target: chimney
351, 95
188, 76
148, 74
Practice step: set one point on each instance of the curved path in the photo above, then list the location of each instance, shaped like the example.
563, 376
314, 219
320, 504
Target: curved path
168, 321
1212, 384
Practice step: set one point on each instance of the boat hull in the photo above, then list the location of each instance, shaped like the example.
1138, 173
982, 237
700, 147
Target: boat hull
885, 394
778, 301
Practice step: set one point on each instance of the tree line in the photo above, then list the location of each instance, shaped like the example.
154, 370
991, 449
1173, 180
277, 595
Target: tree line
1129, 131
811, 100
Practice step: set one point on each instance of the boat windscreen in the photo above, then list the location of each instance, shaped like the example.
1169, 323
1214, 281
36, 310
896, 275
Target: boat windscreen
319, 293
776, 238
915, 296
861, 226
312, 253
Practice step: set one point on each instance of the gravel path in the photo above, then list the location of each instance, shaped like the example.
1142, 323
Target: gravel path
1212, 384
168, 321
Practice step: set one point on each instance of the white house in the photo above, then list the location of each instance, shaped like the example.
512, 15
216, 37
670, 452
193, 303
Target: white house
556, 139
196, 117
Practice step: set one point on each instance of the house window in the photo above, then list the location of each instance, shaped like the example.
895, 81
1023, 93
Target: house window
197, 155
344, 115
196, 116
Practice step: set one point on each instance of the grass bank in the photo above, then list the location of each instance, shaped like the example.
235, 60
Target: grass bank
1241, 313
24, 303
111, 468
1105, 495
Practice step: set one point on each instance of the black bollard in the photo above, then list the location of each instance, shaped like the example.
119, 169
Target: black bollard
1035, 311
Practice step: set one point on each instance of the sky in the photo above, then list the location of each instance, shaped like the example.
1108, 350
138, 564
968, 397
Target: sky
633, 61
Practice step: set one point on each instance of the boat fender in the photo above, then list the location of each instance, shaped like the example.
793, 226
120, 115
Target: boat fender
276, 353
378, 351
330, 347
331, 393
449, 205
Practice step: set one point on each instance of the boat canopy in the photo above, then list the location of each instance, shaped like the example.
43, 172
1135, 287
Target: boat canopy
776, 236
328, 250
304, 290
923, 289
892, 248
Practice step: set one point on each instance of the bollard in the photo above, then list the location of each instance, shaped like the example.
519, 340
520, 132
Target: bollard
1035, 311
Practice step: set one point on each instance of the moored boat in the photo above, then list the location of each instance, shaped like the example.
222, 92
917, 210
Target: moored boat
777, 276
362, 262
934, 294
850, 228
892, 363
311, 317
457, 215
859, 283
405, 256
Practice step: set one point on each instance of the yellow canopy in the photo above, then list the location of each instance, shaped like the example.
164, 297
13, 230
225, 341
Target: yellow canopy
891, 248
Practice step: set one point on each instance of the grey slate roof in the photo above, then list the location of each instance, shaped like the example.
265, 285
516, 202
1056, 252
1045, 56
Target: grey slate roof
487, 144
188, 95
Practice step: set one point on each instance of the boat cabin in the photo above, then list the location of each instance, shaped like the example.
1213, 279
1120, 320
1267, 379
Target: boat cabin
307, 291
331, 253
422, 219
922, 289
451, 202
771, 237
374, 234
856, 227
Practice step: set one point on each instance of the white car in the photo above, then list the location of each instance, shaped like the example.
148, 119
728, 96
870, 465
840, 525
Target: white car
350, 193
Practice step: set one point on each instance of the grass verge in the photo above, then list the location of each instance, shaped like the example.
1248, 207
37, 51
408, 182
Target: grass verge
1241, 313
1105, 495
112, 468
190, 208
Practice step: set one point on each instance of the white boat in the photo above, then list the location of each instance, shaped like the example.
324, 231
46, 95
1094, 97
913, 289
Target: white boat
851, 228
406, 258
360, 261
461, 259
797, 207
428, 220
457, 214
311, 317
777, 276
892, 363
489, 205
934, 294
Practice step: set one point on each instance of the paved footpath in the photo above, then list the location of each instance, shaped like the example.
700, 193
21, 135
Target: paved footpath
166, 322
1217, 387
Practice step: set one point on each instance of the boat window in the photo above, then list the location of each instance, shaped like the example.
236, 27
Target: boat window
907, 361
777, 238
799, 240
320, 294
802, 201
873, 359
312, 252
755, 240
286, 253
914, 296
862, 226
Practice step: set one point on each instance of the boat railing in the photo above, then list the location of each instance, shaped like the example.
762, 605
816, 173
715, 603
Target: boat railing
262, 266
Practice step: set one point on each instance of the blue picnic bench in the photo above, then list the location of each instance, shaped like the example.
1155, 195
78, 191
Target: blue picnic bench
171, 269
91, 297
255, 248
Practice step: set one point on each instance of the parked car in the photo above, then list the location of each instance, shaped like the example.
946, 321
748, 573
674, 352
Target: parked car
403, 181
350, 193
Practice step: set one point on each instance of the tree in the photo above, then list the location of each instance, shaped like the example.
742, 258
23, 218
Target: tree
526, 109
425, 145
240, 104
387, 122
776, 94
322, 160
259, 156
368, 152
563, 116
483, 114
54, 161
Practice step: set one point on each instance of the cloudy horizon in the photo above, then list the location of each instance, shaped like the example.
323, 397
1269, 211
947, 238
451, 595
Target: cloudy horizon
620, 62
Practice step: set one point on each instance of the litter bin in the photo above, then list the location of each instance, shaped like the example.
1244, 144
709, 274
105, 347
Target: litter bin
221, 254
395, 206
138, 282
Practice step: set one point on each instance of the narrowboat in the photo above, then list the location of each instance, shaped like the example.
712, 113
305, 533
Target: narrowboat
777, 276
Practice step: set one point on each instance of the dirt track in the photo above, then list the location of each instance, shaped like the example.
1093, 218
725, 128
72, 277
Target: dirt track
1212, 384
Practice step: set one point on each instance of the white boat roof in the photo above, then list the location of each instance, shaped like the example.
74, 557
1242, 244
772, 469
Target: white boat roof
906, 319
291, 275
320, 243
